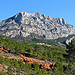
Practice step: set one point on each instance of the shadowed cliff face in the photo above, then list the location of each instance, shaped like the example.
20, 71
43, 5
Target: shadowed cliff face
23, 24
18, 18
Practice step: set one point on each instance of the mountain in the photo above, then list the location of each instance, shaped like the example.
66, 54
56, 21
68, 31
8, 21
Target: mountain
23, 24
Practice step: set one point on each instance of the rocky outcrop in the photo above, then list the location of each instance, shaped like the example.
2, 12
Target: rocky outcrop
23, 24
69, 40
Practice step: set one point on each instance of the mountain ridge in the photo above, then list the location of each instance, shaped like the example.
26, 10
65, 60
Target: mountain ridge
23, 24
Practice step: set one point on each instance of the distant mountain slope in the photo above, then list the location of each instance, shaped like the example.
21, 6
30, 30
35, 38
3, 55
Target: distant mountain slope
23, 24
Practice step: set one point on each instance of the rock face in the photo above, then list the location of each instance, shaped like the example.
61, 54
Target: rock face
23, 24
69, 40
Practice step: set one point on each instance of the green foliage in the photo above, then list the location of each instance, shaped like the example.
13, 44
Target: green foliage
52, 53
62, 40
33, 50
71, 51
58, 69
71, 58
2, 73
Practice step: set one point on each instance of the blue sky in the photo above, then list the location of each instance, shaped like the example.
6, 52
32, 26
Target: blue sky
53, 8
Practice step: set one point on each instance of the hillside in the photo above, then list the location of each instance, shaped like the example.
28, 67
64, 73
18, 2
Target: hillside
35, 58
12, 49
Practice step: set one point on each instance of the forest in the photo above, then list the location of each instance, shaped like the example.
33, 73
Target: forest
56, 54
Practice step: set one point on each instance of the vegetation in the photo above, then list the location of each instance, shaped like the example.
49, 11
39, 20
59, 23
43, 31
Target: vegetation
33, 38
71, 56
33, 50
63, 40
52, 53
71, 51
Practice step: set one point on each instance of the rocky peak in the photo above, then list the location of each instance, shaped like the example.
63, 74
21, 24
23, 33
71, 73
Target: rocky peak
24, 24
61, 21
